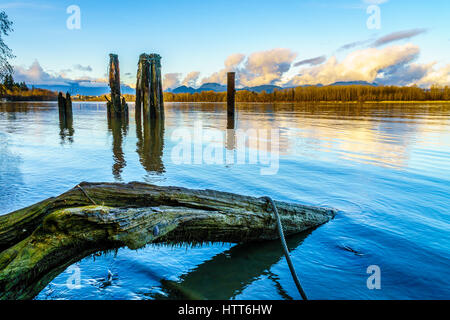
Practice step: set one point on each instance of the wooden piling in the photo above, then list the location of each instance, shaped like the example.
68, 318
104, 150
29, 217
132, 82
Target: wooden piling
117, 106
231, 100
149, 93
156, 93
142, 87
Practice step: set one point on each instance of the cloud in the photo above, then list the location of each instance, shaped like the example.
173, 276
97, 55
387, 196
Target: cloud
354, 44
82, 68
362, 65
311, 62
35, 74
440, 76
266, 67
171, 80
191, 79
259, 68
403, 74
399, 35
231, 63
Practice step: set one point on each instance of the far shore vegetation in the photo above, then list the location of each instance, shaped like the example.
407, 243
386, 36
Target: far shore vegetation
13, 91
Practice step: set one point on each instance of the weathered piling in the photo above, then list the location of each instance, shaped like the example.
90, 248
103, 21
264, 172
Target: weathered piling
149, 93
142, 86
231, 95
64, 105
156, 92
117, 106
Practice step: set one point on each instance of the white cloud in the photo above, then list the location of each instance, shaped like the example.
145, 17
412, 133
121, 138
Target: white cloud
35, 74
171, 80
364, 65
440, 76
259, 68
191, 79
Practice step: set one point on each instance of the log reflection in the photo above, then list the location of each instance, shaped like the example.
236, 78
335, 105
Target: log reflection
227, 274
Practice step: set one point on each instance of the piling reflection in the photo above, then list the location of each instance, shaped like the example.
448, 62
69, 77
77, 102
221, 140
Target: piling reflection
66, 130
226, 275
231, 133
150, 144
119, 128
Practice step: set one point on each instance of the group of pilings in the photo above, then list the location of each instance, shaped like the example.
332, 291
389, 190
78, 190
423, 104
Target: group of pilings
149, 91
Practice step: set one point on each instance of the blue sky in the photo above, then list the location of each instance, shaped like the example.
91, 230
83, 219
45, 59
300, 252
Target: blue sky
199, 36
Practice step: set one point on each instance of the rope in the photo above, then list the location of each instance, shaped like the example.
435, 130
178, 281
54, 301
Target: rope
85, 193
286, 250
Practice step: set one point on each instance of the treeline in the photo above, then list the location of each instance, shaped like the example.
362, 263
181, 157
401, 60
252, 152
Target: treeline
317, 94
19, 91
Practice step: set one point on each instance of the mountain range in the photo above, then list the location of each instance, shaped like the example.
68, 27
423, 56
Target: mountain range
268, 88
75, 88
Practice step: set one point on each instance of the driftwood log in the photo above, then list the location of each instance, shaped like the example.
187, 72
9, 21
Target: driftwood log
40, 241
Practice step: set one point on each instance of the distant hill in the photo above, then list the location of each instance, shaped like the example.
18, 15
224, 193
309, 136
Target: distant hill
75, 88
216, 87
354, 83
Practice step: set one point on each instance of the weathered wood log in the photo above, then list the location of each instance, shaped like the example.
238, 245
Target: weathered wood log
39, 241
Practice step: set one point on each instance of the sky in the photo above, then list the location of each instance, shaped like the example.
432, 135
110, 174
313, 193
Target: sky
285, 42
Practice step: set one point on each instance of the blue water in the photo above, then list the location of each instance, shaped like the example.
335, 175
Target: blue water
386, 167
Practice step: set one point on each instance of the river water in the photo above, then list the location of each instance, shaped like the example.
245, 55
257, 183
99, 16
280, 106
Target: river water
385, 167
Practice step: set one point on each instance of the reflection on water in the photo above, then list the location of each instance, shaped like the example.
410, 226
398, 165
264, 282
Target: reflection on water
119, 128
150, 144
385, 166
66, 131
246, 262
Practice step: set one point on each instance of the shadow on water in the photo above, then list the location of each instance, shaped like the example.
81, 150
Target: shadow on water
119, 129
227, 274
150, 144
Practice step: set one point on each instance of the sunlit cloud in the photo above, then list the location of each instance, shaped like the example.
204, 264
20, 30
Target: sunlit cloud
171, 80
191, 79
259, 68
362, 65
